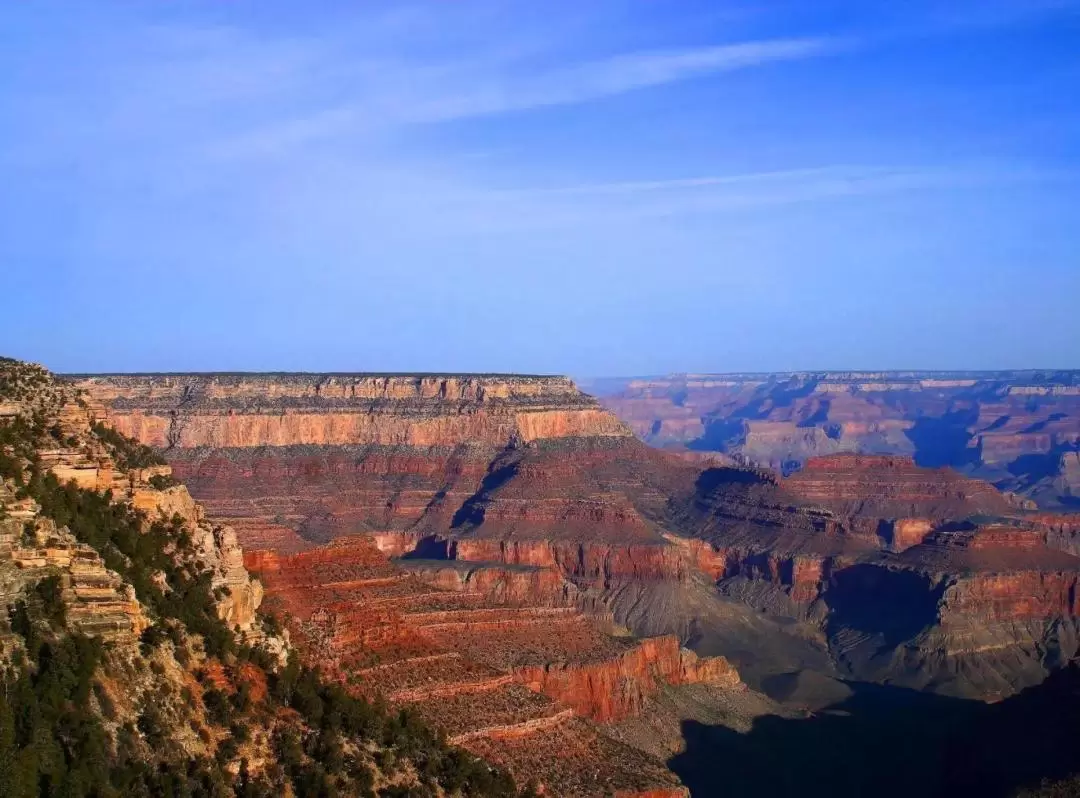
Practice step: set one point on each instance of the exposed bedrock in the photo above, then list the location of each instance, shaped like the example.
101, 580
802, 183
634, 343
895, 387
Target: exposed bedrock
892, 487
225, 411
523, 491
509, 584
618, 688
32, 546
464, 646
1012, 428
591, 563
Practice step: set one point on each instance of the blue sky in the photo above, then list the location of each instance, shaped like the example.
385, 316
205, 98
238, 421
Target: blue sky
588, 188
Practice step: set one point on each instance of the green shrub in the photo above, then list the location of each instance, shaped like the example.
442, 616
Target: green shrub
162, 482
51, 592
129, 454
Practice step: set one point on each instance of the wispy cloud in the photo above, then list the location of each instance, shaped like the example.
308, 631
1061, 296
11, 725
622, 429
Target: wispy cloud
778, 177
220, 111
616, 75
383, 94
625, 201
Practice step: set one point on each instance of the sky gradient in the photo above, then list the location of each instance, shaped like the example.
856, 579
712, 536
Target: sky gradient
591, 188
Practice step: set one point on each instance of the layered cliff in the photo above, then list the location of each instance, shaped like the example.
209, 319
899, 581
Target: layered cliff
573, 510
471, 650
888, 486
79, 452
1016, 429
377, 454
226, 411
131, 657
621, 687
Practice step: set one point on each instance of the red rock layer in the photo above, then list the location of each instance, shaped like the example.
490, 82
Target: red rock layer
1028, 423
269, 494
504, 584
229, 411
1016, 596
525, 524
590, 562
892, 487
461, 657
616, 689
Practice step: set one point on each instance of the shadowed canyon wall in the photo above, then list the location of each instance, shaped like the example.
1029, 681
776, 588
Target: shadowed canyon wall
524, 490
1019, 430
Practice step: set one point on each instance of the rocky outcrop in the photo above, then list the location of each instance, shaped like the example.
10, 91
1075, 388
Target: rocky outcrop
98, 601
468, 648
614, 689
903, 533
236, 411
589, 562
1069, 479
445, 474
1009, 427
889, 486
505, 584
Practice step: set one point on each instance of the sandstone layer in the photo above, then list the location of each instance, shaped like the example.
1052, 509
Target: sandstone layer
500, 675
98, 602
873, 567
1020, 430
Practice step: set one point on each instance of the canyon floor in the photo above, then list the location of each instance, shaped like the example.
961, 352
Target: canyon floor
503, 555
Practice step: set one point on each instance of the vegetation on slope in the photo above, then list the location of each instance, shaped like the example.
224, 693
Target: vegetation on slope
127, 453
192, 708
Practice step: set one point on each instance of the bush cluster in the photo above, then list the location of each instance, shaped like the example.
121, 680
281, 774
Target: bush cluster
129, 454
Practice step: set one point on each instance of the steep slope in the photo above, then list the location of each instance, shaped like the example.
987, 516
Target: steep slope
476, 630
131, 657
856, 566
377, 454
519, 684
914, 576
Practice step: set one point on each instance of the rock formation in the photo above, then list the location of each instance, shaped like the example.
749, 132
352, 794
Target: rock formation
98, 601
873, 567
131, 655
500, 675
1020, 430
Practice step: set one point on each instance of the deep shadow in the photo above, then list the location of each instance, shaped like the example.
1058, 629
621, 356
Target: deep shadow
896, 605
775, 395
429, 548
712, 478
724, 434
888, 741
820, 416
720, 435
998, 423
471, 512
944, 441
1039, 426
1033, 467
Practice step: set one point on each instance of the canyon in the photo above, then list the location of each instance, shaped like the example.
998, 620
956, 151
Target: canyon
326, 479
1019, 430
505, 556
